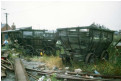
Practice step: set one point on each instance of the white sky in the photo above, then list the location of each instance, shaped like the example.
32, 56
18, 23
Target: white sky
57, 14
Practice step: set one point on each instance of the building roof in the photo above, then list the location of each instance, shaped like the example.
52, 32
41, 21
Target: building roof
9, 31
16, 30
20, 28
2, 25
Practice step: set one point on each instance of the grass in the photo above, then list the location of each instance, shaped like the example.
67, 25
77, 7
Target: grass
105, 68
50, 61
53, 61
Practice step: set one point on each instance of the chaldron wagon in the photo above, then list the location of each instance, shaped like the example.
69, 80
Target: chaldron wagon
34, 41
85, 43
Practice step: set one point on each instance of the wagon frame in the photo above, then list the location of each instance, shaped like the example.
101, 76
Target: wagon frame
85, 43
34, 41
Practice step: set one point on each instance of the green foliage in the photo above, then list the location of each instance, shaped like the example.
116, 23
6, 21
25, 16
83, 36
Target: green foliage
5, 47
53, 77
105, 68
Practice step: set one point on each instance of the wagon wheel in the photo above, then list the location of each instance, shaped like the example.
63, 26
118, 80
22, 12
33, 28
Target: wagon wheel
90, 58
66, 60
48, 50
29, 50
104, 55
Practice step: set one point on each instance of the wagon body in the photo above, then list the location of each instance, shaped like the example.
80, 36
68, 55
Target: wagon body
79, 42
34, 40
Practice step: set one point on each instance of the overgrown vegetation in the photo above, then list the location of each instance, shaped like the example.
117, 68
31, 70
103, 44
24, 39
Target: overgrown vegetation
50, 61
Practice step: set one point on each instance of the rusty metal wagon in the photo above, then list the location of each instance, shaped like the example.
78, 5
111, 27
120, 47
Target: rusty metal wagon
85, 43
34, 41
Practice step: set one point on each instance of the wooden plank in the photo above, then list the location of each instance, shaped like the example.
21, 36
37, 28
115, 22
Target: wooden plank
2, 67
4, 61
3, 74
33, 70
20, 72
75, 78
10, 63
6, 66
97, 75
72, 74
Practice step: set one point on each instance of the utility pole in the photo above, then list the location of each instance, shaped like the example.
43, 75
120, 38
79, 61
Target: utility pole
6, 21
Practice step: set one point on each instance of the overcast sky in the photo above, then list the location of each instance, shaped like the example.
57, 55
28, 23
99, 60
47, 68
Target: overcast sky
56, 14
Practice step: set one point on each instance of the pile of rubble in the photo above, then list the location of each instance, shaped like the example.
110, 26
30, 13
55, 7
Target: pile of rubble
63, 74
40, 72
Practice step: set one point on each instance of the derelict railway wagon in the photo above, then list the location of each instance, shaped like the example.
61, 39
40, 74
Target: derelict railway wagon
85, 43
34, 41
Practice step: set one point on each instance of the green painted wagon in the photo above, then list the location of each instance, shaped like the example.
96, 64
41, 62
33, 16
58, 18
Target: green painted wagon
34, 41
85, 43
